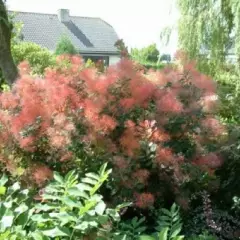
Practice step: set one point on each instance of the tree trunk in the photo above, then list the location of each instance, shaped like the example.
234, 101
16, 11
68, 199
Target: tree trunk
7, 65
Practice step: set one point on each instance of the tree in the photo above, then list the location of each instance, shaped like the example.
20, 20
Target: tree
149, 53
122, 48
165, 57
209, 27
65, 46
7, 65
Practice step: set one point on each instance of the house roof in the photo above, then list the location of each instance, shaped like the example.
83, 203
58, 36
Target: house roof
88, 35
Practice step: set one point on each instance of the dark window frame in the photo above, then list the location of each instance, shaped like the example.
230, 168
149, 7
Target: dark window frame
96, 58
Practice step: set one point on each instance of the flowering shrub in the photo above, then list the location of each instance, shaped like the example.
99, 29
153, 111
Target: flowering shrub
148, 125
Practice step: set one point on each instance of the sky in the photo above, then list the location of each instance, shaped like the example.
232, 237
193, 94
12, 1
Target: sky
138, 22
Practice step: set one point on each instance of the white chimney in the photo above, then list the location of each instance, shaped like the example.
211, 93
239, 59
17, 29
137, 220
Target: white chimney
63, 15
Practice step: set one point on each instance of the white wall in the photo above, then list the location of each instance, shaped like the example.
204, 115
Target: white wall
114, 59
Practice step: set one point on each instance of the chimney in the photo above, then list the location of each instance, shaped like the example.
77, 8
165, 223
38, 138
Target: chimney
63, 15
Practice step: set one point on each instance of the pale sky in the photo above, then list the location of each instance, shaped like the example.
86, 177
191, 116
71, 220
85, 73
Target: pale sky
138, 22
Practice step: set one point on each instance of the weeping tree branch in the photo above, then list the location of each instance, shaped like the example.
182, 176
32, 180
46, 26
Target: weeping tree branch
7, 64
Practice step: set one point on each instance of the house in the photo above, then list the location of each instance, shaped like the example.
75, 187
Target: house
92, 37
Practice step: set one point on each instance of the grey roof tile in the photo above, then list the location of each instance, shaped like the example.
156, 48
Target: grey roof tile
89, 35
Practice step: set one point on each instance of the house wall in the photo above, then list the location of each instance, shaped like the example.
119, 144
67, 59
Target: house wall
114, 59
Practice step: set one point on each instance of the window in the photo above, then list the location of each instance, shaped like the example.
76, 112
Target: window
95, 59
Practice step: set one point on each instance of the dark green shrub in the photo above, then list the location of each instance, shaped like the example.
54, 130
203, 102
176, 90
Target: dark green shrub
65, 46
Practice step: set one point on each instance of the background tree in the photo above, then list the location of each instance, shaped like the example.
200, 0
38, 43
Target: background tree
209, 27
122, 48
7, 65
65, 46
149, 53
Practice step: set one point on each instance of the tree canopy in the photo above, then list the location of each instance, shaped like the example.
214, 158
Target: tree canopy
149, 53
209, 26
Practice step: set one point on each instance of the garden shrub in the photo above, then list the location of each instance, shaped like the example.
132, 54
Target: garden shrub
69, 209
39, 58
155, 66
65, 46
224, 224
149, 53
157, 129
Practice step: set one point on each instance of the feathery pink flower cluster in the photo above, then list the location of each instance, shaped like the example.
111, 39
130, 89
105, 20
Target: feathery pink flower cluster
121, 110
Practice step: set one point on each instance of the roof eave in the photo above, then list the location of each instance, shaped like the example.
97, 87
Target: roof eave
100, 52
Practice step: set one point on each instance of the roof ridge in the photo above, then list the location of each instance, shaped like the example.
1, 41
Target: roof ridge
54, 14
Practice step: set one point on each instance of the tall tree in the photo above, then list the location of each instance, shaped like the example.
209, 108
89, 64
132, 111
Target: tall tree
209, 26
7, 64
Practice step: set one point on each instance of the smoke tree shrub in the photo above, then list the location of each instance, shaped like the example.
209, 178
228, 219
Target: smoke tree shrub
150, 126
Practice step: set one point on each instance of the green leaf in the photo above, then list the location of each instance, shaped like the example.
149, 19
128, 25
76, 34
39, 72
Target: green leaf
146, 237
47, 196
140, 221
38, 236
165, 218
15, 187
90, 181
163, 235
178, 238
6, 222
85, 225
167, 212
83, 187
176, 229
100, 208
3, 190
41, 218
71, 203
3, 180
113, 214
173, 208
47, 207
93, 175
103, 169
24, 217
141, 229
123, 205
71, 176
22, 208
56, 232
64, 217
103, 219
57, 177
75, 192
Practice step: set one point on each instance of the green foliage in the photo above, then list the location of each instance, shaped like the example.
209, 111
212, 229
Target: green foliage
69, 209
236, 203
163, 235
15, 210
153, 65
65, 46
131, 229
170, 220
170, 226
229, 174
165, 57
149, 54
229, 94
204, 236
214, 37
39, 58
